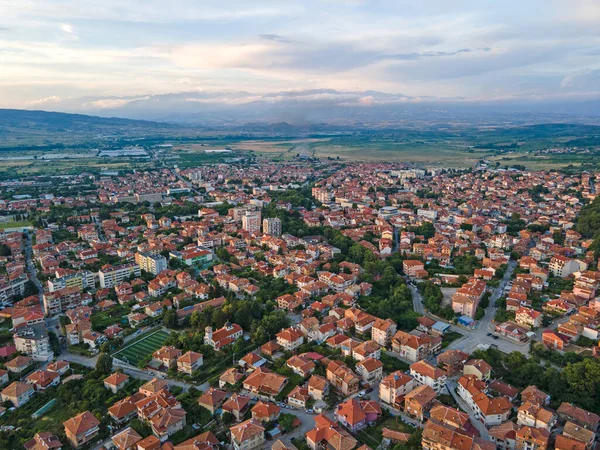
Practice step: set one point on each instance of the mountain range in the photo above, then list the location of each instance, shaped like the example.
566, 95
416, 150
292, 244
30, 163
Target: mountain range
328, 106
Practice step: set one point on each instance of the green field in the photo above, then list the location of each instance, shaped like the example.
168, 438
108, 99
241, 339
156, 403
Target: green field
145, 346
18, 224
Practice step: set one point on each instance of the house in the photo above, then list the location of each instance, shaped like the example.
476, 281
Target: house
478, 367
3, 377
18, 393
425, 373
237, 405
265, 411
419, 401
116, 381
124, 410
504, 435
439, 436
392, 437
204, 441
412, 347
43, 441
167, 422
530, 438
298, 397
528, 317
43, 379
370, 370
467, 298
301, 365
394, 387
450, 416
535, 415
154, 386
586, 419
263, 381
318, 387
355, 415
328, 435
290, 339
452, 361
251, 362
574, 431
561, 266
81, 429
60, 366
212, 399
411, 267
566, 443
189, 362
222, 337
166, 356
492, 410
230, 377
382, 331
126, 439
554, 340
365, 350
534, 395
342, 378
247, 435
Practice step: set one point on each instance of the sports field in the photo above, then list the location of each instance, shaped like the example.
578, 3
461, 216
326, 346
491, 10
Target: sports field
134, 353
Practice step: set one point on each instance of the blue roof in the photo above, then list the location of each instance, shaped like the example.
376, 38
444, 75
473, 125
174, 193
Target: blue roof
465, 320
441, 326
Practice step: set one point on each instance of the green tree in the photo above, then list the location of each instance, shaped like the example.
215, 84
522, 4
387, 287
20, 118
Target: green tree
104, 363
170, 319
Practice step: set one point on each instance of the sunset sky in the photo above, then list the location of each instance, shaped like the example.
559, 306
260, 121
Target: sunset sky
55, 51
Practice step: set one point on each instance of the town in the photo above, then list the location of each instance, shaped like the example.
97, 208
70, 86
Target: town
303, 304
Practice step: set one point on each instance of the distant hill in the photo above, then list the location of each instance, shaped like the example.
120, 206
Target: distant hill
57, 121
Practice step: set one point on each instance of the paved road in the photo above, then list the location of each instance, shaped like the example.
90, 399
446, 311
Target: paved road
31, 267
483, 431
129, 370
478, 337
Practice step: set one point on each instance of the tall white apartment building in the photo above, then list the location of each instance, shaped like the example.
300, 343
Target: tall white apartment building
272, 226
151, 262
116, 274
251, 221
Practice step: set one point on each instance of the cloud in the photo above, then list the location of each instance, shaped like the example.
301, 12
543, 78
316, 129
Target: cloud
274, 38
582, 80
67, 28
44, 101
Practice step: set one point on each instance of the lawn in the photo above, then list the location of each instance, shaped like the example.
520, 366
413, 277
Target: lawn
373, 435
16, 224
139, 350
102, 319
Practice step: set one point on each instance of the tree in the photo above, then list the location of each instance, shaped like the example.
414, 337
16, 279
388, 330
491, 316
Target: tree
4, 250
104, 363
287, 422
226, 418
170, 319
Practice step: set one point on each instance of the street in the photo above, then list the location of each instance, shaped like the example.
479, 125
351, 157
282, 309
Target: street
478, 337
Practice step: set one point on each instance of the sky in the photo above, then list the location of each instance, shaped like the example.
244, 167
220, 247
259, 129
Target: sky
102, 53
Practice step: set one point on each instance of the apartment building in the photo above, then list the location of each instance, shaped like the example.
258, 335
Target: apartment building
151, 262
114, 275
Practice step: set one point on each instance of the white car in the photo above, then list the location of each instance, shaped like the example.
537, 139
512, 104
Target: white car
362, 393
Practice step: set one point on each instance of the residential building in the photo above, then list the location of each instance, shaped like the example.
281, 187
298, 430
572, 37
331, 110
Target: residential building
81, 429
153, 263
33, 340
247, 435
114, 275
272, 226
425, 373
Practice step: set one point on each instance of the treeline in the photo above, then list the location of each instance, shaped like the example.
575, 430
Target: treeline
575, 380
588, 224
